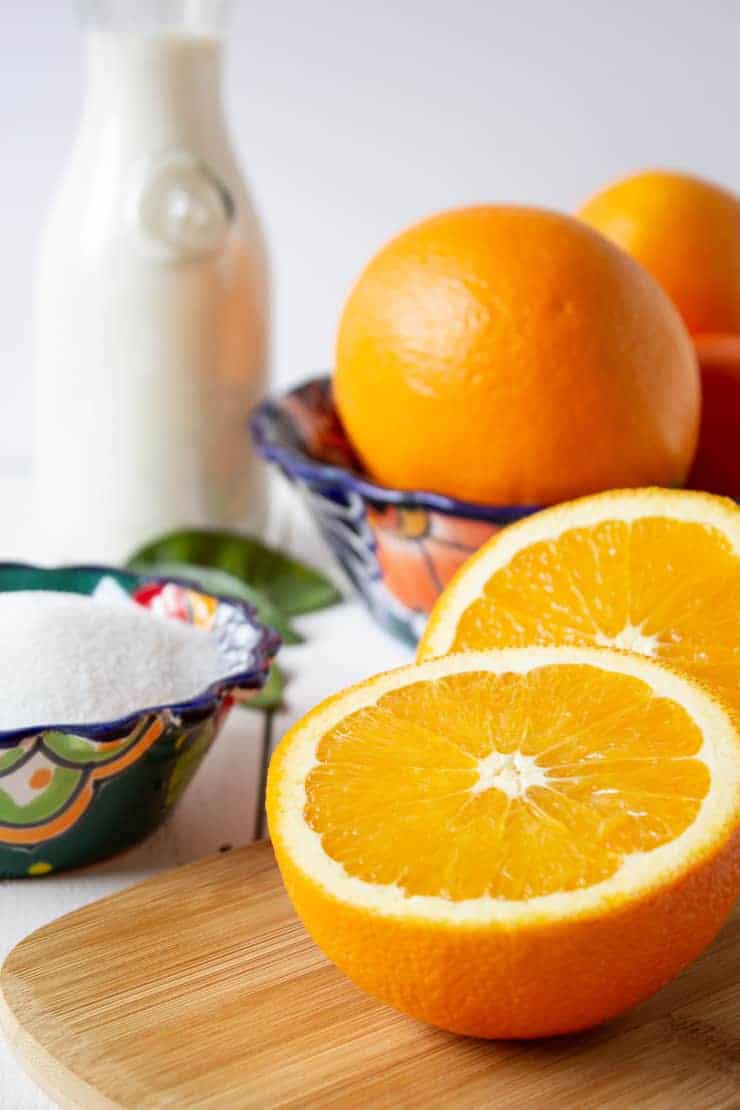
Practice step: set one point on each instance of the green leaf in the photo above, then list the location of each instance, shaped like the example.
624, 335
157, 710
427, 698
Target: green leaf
290, 585
215, 581
271, 694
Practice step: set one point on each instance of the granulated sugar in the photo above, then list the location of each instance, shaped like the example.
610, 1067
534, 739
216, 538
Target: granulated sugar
70, 659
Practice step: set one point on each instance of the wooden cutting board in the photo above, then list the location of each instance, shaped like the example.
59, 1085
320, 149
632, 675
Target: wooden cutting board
200, 988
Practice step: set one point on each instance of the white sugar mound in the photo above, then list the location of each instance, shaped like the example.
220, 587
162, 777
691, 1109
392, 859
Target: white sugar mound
71, 659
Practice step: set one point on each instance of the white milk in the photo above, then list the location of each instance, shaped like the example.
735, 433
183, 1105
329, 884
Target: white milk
152, 304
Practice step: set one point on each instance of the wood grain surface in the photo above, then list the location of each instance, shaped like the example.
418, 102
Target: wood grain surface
200, 988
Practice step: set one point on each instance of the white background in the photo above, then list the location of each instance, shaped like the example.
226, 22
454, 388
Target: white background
355, 118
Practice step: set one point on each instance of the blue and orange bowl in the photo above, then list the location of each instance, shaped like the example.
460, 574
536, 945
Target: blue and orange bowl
73, 794
399, 548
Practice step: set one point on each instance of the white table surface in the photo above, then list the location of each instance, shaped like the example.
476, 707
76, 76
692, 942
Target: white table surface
342, 646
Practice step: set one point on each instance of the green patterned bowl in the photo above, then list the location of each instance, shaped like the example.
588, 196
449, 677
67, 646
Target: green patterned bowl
70, 795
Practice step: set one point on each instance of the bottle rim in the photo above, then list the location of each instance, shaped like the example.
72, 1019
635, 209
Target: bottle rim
205, 17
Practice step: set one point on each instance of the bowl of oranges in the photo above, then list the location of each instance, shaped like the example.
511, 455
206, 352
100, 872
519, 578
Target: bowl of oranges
495, 360
399, 548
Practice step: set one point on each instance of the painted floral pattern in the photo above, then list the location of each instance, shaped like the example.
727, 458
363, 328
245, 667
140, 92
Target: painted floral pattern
399, 550
178, 603
48, 781
418, 551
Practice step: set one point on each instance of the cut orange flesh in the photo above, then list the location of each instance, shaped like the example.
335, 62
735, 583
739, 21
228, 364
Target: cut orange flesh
544, 782
511, 843
651, 571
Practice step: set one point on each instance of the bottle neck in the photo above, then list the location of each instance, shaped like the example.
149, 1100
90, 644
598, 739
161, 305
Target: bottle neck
165, 84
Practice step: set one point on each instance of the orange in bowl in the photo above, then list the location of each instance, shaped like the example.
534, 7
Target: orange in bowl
510, 355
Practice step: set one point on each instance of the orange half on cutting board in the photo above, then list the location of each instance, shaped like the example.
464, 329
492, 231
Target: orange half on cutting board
511, 843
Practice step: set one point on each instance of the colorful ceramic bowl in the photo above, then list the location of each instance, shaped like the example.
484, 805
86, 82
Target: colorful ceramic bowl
399, 547
72, 795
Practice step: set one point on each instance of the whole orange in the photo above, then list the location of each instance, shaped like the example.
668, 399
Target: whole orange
686, 232
717, 463
513, 355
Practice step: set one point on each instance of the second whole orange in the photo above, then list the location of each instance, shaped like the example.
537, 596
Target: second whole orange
686, 232
512, 355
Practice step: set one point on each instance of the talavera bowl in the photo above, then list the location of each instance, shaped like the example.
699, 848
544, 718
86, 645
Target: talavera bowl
399, 547
70, 795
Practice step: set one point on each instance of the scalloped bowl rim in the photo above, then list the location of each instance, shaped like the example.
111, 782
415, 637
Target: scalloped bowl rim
305, 466
206, 702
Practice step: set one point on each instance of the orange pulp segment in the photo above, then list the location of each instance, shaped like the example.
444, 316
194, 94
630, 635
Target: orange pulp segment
651, 571
505, 785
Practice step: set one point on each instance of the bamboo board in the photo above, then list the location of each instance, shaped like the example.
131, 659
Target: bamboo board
199, 988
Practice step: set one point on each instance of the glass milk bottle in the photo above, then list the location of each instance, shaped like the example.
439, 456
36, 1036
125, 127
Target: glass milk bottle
152, 300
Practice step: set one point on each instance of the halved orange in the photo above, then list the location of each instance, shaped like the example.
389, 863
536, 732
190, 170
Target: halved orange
511, 843
653, 571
